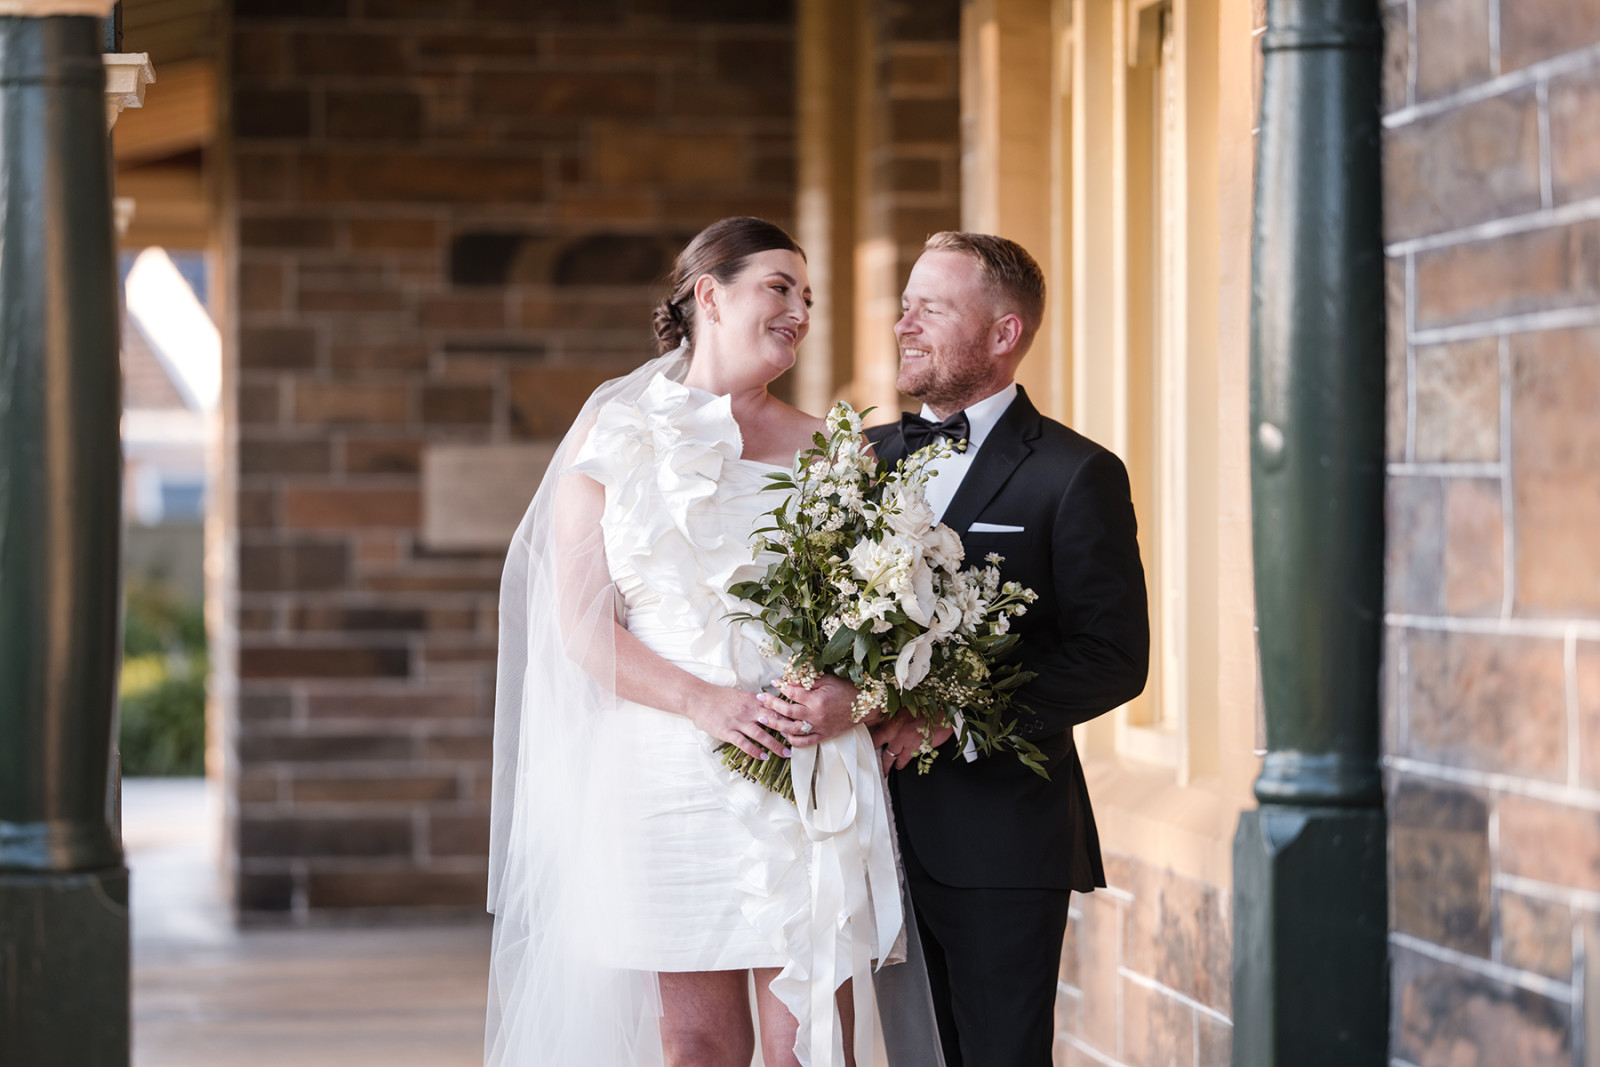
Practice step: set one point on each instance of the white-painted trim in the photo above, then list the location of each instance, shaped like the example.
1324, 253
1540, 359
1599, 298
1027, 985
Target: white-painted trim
39, 9
1582, 59
1556, 629
1533, 983
1167, 991
1445, 470
1507, 226
127, 76
1561, 319
1576, 899
1494, 782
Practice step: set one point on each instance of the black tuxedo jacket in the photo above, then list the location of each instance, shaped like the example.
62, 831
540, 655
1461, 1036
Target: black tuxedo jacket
993, 823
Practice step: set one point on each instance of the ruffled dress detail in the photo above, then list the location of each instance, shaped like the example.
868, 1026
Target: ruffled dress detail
729, 875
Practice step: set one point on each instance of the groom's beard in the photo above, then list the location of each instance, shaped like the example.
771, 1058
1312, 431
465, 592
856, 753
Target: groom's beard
949, 378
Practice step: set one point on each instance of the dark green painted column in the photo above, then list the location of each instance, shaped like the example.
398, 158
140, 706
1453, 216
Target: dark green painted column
1310, 976
63, 886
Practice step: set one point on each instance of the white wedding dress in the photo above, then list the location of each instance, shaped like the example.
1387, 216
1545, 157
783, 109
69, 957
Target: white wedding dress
699, 869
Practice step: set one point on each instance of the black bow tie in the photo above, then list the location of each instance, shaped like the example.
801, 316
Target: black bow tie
919, 432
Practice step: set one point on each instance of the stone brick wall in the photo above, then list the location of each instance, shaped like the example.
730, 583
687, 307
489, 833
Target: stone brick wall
911, 182
448, 220
1145, 978
1492, 678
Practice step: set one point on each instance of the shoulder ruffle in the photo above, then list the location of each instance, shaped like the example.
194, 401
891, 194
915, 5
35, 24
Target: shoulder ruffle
665, 449
664, 459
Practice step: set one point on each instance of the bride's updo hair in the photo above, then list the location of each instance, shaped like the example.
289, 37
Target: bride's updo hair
719, 250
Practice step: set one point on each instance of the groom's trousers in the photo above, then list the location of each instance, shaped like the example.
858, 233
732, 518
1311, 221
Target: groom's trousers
993, 957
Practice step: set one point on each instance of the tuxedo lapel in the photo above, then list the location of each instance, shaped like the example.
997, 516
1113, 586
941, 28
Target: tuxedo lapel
998, 458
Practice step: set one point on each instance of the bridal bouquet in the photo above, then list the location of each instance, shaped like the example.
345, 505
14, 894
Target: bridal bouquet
868, 587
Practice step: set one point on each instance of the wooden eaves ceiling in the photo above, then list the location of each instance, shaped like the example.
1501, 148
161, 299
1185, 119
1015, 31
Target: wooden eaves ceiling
163, 150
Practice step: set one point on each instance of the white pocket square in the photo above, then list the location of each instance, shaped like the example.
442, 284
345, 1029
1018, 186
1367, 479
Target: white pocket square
990, 527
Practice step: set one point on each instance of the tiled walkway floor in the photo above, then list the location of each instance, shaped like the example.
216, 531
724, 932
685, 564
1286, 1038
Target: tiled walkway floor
207, 995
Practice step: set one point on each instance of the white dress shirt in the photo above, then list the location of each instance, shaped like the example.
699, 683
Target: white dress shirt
981, 418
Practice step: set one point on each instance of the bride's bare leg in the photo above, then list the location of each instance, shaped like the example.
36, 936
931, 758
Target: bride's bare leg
778, 1026
705, 1019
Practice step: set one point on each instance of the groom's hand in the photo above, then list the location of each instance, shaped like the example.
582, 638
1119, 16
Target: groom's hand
900, 738
826, 706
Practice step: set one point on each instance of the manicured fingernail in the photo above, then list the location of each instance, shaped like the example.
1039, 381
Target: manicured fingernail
764, 755
762, 719
763, 697
788, 752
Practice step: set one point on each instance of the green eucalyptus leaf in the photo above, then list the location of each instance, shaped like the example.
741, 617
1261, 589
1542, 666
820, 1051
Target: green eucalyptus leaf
838, 646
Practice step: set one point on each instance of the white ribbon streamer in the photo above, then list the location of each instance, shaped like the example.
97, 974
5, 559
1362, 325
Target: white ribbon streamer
856, 913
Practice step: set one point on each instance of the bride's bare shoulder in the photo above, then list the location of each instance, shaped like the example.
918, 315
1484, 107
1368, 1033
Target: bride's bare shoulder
799, 427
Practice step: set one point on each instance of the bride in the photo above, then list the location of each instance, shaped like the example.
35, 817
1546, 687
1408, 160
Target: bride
637, 884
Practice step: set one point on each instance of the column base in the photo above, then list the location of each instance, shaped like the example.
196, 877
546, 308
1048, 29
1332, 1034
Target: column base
1310, 938
64, 968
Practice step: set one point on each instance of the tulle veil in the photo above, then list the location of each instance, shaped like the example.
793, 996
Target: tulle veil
553, 858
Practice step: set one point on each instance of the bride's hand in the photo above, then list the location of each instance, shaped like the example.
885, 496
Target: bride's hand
826, 706
734, 716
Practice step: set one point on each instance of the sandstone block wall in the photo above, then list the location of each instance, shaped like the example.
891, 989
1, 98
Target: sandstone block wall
448, 220
1146, 975
1492, 677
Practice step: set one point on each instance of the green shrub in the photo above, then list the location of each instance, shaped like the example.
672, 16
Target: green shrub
164, 668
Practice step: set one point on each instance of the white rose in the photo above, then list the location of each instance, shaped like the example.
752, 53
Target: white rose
910, 515
943, 548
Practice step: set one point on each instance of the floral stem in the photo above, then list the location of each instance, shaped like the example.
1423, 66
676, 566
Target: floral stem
772, 773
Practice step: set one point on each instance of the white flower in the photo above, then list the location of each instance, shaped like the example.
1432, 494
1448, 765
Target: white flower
994, 559
943, 548
909, 514
911, 666
969, 599
844, 417
875, 610
947, 617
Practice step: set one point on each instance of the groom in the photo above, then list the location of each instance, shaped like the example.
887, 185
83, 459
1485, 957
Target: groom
991, 850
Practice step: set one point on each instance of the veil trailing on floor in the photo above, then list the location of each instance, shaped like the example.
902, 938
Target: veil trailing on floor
554, 855
561, 868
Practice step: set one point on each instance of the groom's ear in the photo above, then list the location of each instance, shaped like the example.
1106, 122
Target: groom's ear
1006, 335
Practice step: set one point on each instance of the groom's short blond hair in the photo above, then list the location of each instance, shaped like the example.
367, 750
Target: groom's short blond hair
1011, 274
